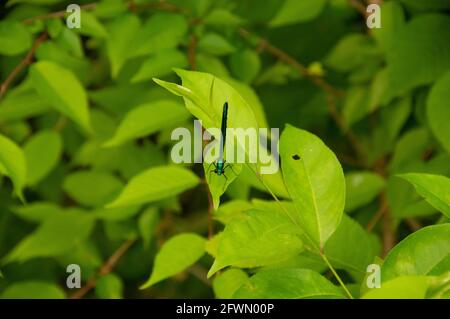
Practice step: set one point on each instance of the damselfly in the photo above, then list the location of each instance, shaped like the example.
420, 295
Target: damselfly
220, 165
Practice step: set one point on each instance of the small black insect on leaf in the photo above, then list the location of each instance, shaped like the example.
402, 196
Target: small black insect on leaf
295, 157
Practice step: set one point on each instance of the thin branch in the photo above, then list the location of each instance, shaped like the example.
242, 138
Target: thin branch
192, 52
413, 224
105, 269
375, 218
23, 64
389, 236
361, 8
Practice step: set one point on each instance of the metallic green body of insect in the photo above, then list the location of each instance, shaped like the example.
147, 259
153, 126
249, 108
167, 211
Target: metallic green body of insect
219, 166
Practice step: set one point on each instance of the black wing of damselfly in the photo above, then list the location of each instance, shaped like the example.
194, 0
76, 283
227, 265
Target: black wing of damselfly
223, 129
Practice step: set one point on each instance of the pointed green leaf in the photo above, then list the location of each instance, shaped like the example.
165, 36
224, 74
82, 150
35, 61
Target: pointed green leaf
405, 287
420, 53
438, 110
425, 252
55, 236
315, 181
361, 188
257, 238
228, 282
14, 37
434, 188
296, 11
62, 90
147, 119
215, 44
288, 283
218, 184
160, 64
155, 184
92, 188
33, 290
177, 254
42, 153
109, 287
12, 160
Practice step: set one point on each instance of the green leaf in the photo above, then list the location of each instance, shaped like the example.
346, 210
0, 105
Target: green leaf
392, 119
421, 52
245, 65
205, 95
160, 64
405, 287
155, 184
92, 188
425, 252
356, 104
147, 119
62, 90
160, 32
118, 213
215, 44
218, 184
147, 223
295, 11
37, 211
33, 290
42, 153
438, 110
13, 164
128, 39
392, 20
228, 282
222, 17
90, 26
177, 254
227, 211
361, 188
362, 250
434, 188
21, 105
351, 52
257, 238
109, 286
119, 40
315, 181
55, 236
14, 38
288, 283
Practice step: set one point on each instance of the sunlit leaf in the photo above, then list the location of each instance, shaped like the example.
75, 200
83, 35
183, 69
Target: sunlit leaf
155, 184
176, 255
315, 181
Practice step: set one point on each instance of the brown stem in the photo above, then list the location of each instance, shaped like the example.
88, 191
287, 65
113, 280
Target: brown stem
105, 269
23, 64
413, 224
389, 236
381, 211
192, 52
361, 8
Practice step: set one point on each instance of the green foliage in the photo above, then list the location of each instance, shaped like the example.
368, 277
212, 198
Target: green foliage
88, 177
177, 254
315, 181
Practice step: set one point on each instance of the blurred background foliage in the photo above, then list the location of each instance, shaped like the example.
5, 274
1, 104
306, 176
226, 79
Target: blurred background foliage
313, 64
